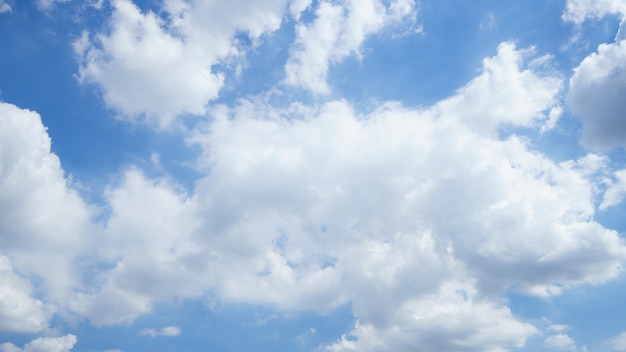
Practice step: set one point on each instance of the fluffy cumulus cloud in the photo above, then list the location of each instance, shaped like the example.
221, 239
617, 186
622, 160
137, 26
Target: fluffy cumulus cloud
598, 84
338, 31
148, 241
4, 7
324, 206
596, 96
43, 344
420, 218
156, 66
44, 223
616, 191
19, 311
618, 343
560, 342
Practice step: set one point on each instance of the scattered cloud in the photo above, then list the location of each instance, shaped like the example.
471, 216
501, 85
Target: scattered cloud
45, 225
558, 327
490, 22
166, 331
156, 66
337, 32
618, 343
595, 96
400, 194
577, 11
43, 344
418, 218
615, 192
560, 342
597, 86
4, 7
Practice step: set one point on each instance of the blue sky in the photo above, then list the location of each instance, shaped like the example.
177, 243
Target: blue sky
312, 175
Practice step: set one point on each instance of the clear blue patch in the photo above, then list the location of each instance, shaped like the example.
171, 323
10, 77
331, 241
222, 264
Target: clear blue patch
230, 327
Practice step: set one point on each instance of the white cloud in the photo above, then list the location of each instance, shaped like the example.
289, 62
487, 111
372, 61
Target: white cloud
344, 201
156, 67
513, 104
45, 225
447, 320
597, 86
558, 327
338, 31
595, 96
170, 331
43, 344
4, 7
560, 342
615, 192
166, 331
577, 11
618, 343
147, 241
420, 218
19, 312
296, 7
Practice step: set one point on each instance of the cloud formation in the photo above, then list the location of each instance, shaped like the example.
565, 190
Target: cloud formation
618, 343
598, 85
577, 11
165, 331
19, 311
156, 66
420, 218
4, 7
337, 32
298, 221
46, 226
43, 344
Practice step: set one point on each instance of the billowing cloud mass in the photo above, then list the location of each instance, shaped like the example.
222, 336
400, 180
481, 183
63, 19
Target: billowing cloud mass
560, 342
421, 220
19, 312
596, 96
166, 331
158, 66
368, 217
598, 85
43, 344
45, 225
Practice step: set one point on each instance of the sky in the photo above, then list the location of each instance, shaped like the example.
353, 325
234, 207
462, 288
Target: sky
312, 175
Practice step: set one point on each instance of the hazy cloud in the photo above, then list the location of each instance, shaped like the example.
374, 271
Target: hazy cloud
43, 344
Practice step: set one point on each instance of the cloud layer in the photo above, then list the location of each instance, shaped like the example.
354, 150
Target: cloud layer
421, 219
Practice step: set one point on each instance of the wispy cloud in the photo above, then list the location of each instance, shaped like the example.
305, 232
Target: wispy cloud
165, 331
